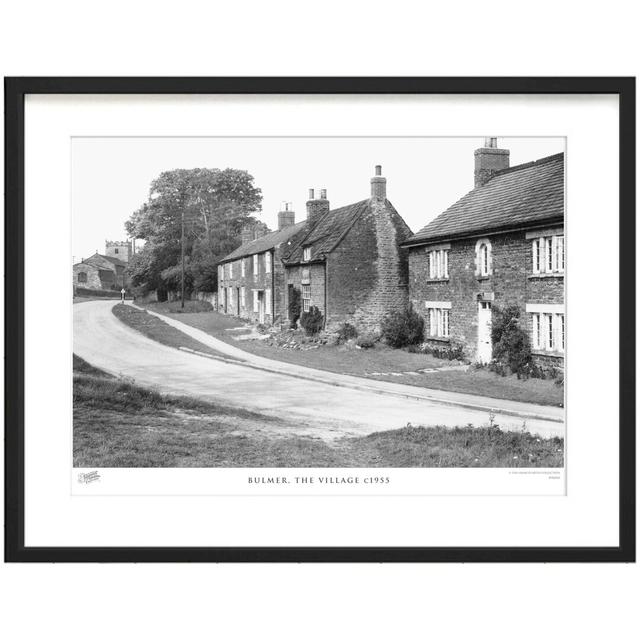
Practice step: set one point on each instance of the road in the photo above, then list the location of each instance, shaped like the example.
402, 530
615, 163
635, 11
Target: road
320, 409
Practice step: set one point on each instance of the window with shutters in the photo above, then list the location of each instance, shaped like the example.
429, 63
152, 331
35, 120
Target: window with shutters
306, 297
548, 254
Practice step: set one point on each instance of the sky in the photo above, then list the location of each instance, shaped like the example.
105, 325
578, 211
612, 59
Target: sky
425, 175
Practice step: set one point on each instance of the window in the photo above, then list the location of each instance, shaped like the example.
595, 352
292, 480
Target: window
484, 260
268, 301
82, 276
255, 265
115, 251
306, 297
548, 332
438, 319
306, 254
548, 254
243, 269
256, 305
231, 270
439, 264
267, 262
243, 295
221, 273
231, 296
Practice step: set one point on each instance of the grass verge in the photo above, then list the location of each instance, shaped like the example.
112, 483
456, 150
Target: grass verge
382, 359
158, 330
117, 423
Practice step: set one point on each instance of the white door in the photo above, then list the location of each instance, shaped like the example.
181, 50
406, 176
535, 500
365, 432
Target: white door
484, 332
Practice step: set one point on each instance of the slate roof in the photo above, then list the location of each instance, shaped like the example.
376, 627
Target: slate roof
516, 197
325, 235
98, 260
265, 242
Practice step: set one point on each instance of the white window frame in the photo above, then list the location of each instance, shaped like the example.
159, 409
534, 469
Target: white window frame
243, 297
439, 318
267, 262
547, 250
256, 302
548, 333
438, 264
306, 254
243, 268
484, 258
256, 266
306, 297
267, 303
231, 270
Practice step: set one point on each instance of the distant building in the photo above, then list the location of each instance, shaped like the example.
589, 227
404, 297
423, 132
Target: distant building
107, 272
348, 262
500, 245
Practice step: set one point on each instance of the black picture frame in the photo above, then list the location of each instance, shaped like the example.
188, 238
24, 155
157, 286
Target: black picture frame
15, 91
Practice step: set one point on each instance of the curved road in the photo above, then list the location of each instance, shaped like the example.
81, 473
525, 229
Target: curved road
320, 409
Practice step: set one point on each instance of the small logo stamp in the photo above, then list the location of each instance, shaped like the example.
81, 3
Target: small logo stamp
90, 476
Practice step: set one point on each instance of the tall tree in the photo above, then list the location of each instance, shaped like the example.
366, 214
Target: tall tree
215, 203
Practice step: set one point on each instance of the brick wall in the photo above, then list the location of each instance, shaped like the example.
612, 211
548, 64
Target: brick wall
511, 283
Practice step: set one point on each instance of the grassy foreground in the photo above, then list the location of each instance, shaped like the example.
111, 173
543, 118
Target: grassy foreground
120, 424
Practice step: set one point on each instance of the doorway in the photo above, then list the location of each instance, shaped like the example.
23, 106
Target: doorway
484, 332
261, 307
238, 301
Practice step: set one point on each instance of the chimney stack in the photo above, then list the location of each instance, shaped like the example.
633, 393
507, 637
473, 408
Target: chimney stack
488, 160
286, 217
317, 207
379, 185
247, 235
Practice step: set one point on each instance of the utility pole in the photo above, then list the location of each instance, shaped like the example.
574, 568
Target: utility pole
182, 256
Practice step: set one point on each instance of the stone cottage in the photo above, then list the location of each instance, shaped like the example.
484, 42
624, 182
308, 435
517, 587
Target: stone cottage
251, 278
106, 272
500, 245
348, 262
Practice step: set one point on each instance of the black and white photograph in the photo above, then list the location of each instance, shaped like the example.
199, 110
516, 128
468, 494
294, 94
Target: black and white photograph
318, 302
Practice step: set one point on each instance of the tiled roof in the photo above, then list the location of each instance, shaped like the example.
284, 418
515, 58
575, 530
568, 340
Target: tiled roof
98, 260
327, 232
264, 243
525, 194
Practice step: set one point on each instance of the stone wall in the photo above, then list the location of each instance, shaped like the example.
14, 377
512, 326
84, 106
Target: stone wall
511, 282
367, 273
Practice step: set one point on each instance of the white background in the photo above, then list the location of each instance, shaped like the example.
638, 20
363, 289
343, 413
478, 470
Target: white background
586, 516
319, 601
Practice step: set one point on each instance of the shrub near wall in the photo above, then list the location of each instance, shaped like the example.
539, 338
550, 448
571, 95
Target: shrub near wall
311, 321
403, 328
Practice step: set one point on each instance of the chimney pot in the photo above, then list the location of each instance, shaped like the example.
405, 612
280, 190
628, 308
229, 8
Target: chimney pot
286, 217
378, 185
317, 208
323, 194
